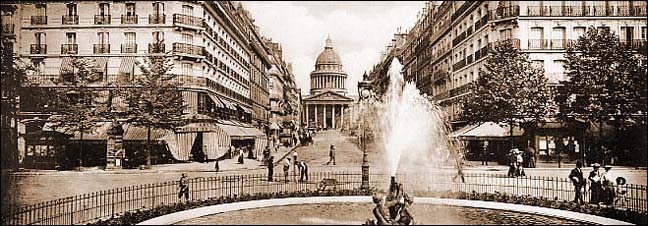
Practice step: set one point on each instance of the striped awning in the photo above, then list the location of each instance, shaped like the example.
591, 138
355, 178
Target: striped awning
246, 109
66, 66
217, 102
127, 65
101, 63
237, 132
228, 104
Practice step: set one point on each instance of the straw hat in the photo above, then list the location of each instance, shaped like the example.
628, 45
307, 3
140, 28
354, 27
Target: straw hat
607, 167
596, 165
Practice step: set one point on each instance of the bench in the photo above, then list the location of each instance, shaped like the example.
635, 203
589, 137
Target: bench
327, 182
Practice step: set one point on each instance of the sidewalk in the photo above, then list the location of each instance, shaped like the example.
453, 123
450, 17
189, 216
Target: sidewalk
539, 165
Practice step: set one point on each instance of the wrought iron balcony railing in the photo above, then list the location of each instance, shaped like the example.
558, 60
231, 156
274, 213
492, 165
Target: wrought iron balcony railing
192, 21
505, 12
538, 44
70, 19
8, 29
634, 43
101, 48
157, 18
38, 49
102, 19
39, 20
129, 19
183, 48
129, 48
459, 65
156, 48
69, 48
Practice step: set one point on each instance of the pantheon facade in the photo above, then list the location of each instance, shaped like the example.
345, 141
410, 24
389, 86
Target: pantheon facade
326, 105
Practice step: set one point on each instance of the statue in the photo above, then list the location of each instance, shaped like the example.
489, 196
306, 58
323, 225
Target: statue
398, 204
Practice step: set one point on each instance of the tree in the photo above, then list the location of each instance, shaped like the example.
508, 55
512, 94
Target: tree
510, 89
607, 80
78, 106
153, 98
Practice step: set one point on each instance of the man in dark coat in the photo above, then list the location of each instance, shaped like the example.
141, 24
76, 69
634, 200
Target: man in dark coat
270, 168
596, 182
576, 177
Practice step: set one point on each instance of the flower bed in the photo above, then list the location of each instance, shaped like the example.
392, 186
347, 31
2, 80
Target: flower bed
131, 218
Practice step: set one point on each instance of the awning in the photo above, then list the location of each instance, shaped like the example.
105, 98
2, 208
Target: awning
139, 133
246, 110
217, 102
491, 130
99, 132
66, 66
254, 131
237, 132
127, 65
461, 131
228, 104
101, 63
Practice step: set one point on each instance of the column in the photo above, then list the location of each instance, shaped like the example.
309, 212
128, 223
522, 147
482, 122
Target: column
315, 117
324, 116
333, 113
342, 115
307, 110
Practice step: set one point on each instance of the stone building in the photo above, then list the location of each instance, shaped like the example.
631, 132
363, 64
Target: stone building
218, 55
450, 41
326, 105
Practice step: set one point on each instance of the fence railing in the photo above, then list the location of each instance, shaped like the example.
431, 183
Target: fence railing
90, 207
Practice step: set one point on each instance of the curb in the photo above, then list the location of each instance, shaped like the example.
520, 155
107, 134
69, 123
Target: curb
215, 209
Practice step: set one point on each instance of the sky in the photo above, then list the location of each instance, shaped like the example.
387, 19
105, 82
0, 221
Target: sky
359, 30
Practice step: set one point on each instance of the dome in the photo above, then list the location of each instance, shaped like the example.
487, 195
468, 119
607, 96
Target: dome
328, 56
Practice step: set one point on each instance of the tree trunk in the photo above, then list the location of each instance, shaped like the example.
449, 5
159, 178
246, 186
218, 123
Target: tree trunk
511, 134
81, 149
600, 146
148, 146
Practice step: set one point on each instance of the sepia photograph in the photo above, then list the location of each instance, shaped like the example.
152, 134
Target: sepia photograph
324, 112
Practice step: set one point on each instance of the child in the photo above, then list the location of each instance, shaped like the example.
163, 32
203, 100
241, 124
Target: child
621, 192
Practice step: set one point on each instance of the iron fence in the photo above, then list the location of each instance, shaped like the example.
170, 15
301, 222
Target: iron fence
90, 207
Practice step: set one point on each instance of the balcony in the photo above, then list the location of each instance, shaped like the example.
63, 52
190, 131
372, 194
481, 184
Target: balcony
157, 18
129, 48
38, 20
460, 90
537, 11
459, 65
187, 21
102, 19
469, 59
187, 49
538, 44
38, 49
561, 43
461, 10
483, 51
70, 19
632, 11
8, 29
469, 31
506, 12
101, 48
459, 38
481, 22
129, 19
634, 43
156, 48
69, 48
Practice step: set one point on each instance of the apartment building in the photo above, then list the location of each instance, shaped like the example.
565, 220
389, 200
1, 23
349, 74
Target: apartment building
450, 41
218, 56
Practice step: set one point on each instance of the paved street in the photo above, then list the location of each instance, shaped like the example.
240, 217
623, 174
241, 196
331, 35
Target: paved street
37, 186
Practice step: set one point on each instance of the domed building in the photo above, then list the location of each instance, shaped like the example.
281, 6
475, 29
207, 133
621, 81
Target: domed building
325, 106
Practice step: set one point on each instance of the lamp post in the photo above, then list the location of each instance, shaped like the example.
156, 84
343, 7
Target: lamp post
365, 91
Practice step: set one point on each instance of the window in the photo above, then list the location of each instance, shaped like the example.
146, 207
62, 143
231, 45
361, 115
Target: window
579, 31
41, 10
71, 38
39, 66
158, 36
71, 9
603, 28
187, 69
158, 8
187, 10
130, 37
644, 32
187, 38
537, 33
40, 38
130, 9
104, 9
627, 33
103, 38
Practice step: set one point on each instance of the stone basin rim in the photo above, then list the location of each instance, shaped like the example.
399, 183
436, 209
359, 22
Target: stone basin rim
227, 207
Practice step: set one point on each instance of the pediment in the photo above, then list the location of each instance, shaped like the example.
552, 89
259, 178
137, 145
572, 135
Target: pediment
328, 96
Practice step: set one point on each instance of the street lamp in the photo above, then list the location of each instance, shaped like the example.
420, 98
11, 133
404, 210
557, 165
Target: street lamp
365, 91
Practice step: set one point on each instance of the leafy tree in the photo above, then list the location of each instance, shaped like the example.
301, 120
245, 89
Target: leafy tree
509, 89
77, 104
153, 98
606, 80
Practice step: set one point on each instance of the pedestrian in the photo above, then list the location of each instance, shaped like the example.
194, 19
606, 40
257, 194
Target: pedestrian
271, 168
266, 154
241, 155
621, 192
216, 166
303, 171
608, 185
232, 151
331, 155
286, 167
577, 179
512, 162
294, 158
484, 153
532, 157
596, 185
519, 163
183, 187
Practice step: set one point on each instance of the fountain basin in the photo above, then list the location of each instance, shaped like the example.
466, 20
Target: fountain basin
356, 209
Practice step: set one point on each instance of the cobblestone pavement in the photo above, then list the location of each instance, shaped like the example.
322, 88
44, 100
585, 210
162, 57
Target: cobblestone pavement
31, 187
